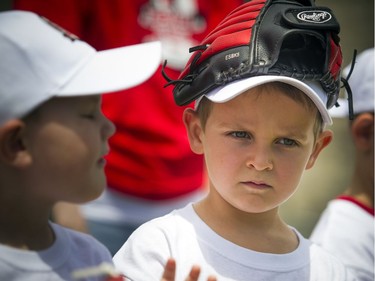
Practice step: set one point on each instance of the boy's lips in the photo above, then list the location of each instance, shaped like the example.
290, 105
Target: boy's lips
102, 160
256, 184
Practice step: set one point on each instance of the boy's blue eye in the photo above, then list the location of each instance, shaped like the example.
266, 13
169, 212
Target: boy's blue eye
88, 116
287, 142
91, 116
240, 135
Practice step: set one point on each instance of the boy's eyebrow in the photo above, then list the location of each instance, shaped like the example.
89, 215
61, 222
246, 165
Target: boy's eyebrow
89, 102
297, 135
290, 132
93, 99
294, 133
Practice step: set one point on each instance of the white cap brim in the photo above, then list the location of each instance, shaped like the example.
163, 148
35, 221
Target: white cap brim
114, 70
311, 89
40, 61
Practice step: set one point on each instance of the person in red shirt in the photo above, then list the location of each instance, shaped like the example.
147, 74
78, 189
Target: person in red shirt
150, 168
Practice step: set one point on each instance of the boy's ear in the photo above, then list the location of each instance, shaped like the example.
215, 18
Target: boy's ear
323, 140
194, 130
12, 148
362, 130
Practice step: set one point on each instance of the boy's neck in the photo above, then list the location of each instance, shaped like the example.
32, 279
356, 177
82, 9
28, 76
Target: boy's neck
265, 232
27, 239
24, 225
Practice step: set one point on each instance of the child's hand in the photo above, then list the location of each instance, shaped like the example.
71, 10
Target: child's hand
170, 270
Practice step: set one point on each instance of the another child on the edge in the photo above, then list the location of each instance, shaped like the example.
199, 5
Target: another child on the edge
263, 81
346, 226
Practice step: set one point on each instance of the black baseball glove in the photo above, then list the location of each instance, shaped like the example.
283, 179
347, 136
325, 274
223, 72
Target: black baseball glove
265, 37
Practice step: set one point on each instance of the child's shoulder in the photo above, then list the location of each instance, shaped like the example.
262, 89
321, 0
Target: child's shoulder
171, 222
170, 228
325, 266
78, 244
71, 250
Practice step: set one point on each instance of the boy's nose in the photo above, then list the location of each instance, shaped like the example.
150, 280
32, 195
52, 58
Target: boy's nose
260, 158
108, 128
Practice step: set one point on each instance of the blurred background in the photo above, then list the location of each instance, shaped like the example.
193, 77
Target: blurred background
333, 169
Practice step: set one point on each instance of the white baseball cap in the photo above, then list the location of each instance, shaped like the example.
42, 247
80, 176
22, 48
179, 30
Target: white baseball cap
312, 89
39, 60
361, 84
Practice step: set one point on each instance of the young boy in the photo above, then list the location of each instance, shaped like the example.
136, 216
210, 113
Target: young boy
53, 140
259, 128
346, 227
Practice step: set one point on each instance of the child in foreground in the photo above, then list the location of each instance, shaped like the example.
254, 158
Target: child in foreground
262, 89
53, 140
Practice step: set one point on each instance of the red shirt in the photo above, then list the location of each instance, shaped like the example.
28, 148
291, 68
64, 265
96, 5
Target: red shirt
150, 155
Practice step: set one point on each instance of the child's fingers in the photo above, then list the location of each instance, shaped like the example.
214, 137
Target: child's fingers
194, 273
211, 278
169, 270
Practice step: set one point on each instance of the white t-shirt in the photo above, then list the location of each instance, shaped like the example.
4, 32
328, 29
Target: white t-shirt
184, 236
347, 231
71, 251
